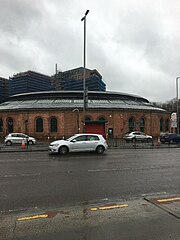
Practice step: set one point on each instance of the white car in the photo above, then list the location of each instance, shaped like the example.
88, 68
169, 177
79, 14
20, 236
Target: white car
18, 138
137, 136
79, 143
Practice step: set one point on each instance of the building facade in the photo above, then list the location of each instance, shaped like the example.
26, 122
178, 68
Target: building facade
54, 115
73, 80
4, 89
29, 81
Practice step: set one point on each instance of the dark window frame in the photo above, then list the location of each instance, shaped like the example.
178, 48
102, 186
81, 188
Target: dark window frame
53, 125
167, 125
1, 125
131, 124
10, 124
39, 125
161, 125
142, 125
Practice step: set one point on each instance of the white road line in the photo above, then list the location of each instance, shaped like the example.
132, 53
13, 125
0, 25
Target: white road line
20, 175
124, 169
153, 194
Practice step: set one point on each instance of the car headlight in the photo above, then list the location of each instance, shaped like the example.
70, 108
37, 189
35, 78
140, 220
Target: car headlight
55, 145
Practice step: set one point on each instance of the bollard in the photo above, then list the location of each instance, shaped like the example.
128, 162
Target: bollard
158, 142
23, 144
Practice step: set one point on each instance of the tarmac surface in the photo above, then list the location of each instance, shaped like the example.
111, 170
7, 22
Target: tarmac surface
152, 217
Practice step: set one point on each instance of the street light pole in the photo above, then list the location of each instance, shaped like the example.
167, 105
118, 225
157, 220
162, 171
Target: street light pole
77, 111
84, 72
177, 114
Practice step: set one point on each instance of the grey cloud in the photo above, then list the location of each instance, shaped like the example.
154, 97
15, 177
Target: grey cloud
134, 45
156, 42
16, 16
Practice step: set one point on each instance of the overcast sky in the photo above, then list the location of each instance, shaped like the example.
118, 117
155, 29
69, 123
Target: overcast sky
134, 44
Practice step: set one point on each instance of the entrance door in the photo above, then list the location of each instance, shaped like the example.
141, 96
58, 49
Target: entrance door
98, 128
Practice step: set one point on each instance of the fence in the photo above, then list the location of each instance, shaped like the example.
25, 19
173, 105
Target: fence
119, 142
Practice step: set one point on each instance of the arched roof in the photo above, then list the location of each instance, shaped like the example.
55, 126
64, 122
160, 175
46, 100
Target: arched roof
74, 99
77, 95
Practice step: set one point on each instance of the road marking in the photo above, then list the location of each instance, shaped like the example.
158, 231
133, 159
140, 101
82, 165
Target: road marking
32, 217
20, 175
168, 200
108, 169
29, 174
152, 194
109, 207
132, 169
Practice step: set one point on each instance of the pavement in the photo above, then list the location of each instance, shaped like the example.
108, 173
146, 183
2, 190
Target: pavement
43, 146
40, 146
149, 218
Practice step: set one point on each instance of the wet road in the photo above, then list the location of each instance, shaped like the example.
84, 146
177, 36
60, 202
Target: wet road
39, 180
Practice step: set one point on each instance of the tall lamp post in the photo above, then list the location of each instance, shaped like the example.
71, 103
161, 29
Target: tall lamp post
177, 114
77, 111
84, 73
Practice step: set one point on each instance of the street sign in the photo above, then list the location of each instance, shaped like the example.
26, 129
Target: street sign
174, 120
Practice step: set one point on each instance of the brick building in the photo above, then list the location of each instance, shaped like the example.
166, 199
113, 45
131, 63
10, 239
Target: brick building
59, 114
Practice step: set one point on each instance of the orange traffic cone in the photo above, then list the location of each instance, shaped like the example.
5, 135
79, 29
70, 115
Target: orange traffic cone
23, 144
158, 142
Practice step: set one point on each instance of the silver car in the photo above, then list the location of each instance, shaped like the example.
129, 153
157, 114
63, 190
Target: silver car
137, 136
13, 138
79, 143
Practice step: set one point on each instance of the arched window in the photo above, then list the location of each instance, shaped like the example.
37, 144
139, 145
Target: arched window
102, 119
87, 119
53, 124
1, 125
131, 124
39, 124
167, 125
142, 124
10, 125
161, 125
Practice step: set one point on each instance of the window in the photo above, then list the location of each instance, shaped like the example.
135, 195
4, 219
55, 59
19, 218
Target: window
161, 125
1, 125
39, 124
10, 125
21, 135
87, 119
167, 125
80, 138
101, 119
142, 124
136, 133
53, 124
92, 138
131, 124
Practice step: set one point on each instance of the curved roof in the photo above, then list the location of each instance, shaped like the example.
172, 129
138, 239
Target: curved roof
74, 99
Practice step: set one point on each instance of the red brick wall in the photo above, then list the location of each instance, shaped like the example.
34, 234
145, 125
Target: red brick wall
67, 122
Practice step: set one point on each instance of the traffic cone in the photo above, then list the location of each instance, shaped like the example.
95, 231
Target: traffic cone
158, 142
23, 144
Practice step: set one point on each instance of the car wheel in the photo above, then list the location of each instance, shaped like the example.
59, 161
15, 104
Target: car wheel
30, 142
63, 150
149, 140
8, 143
171, 141
133, 140
100, 149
